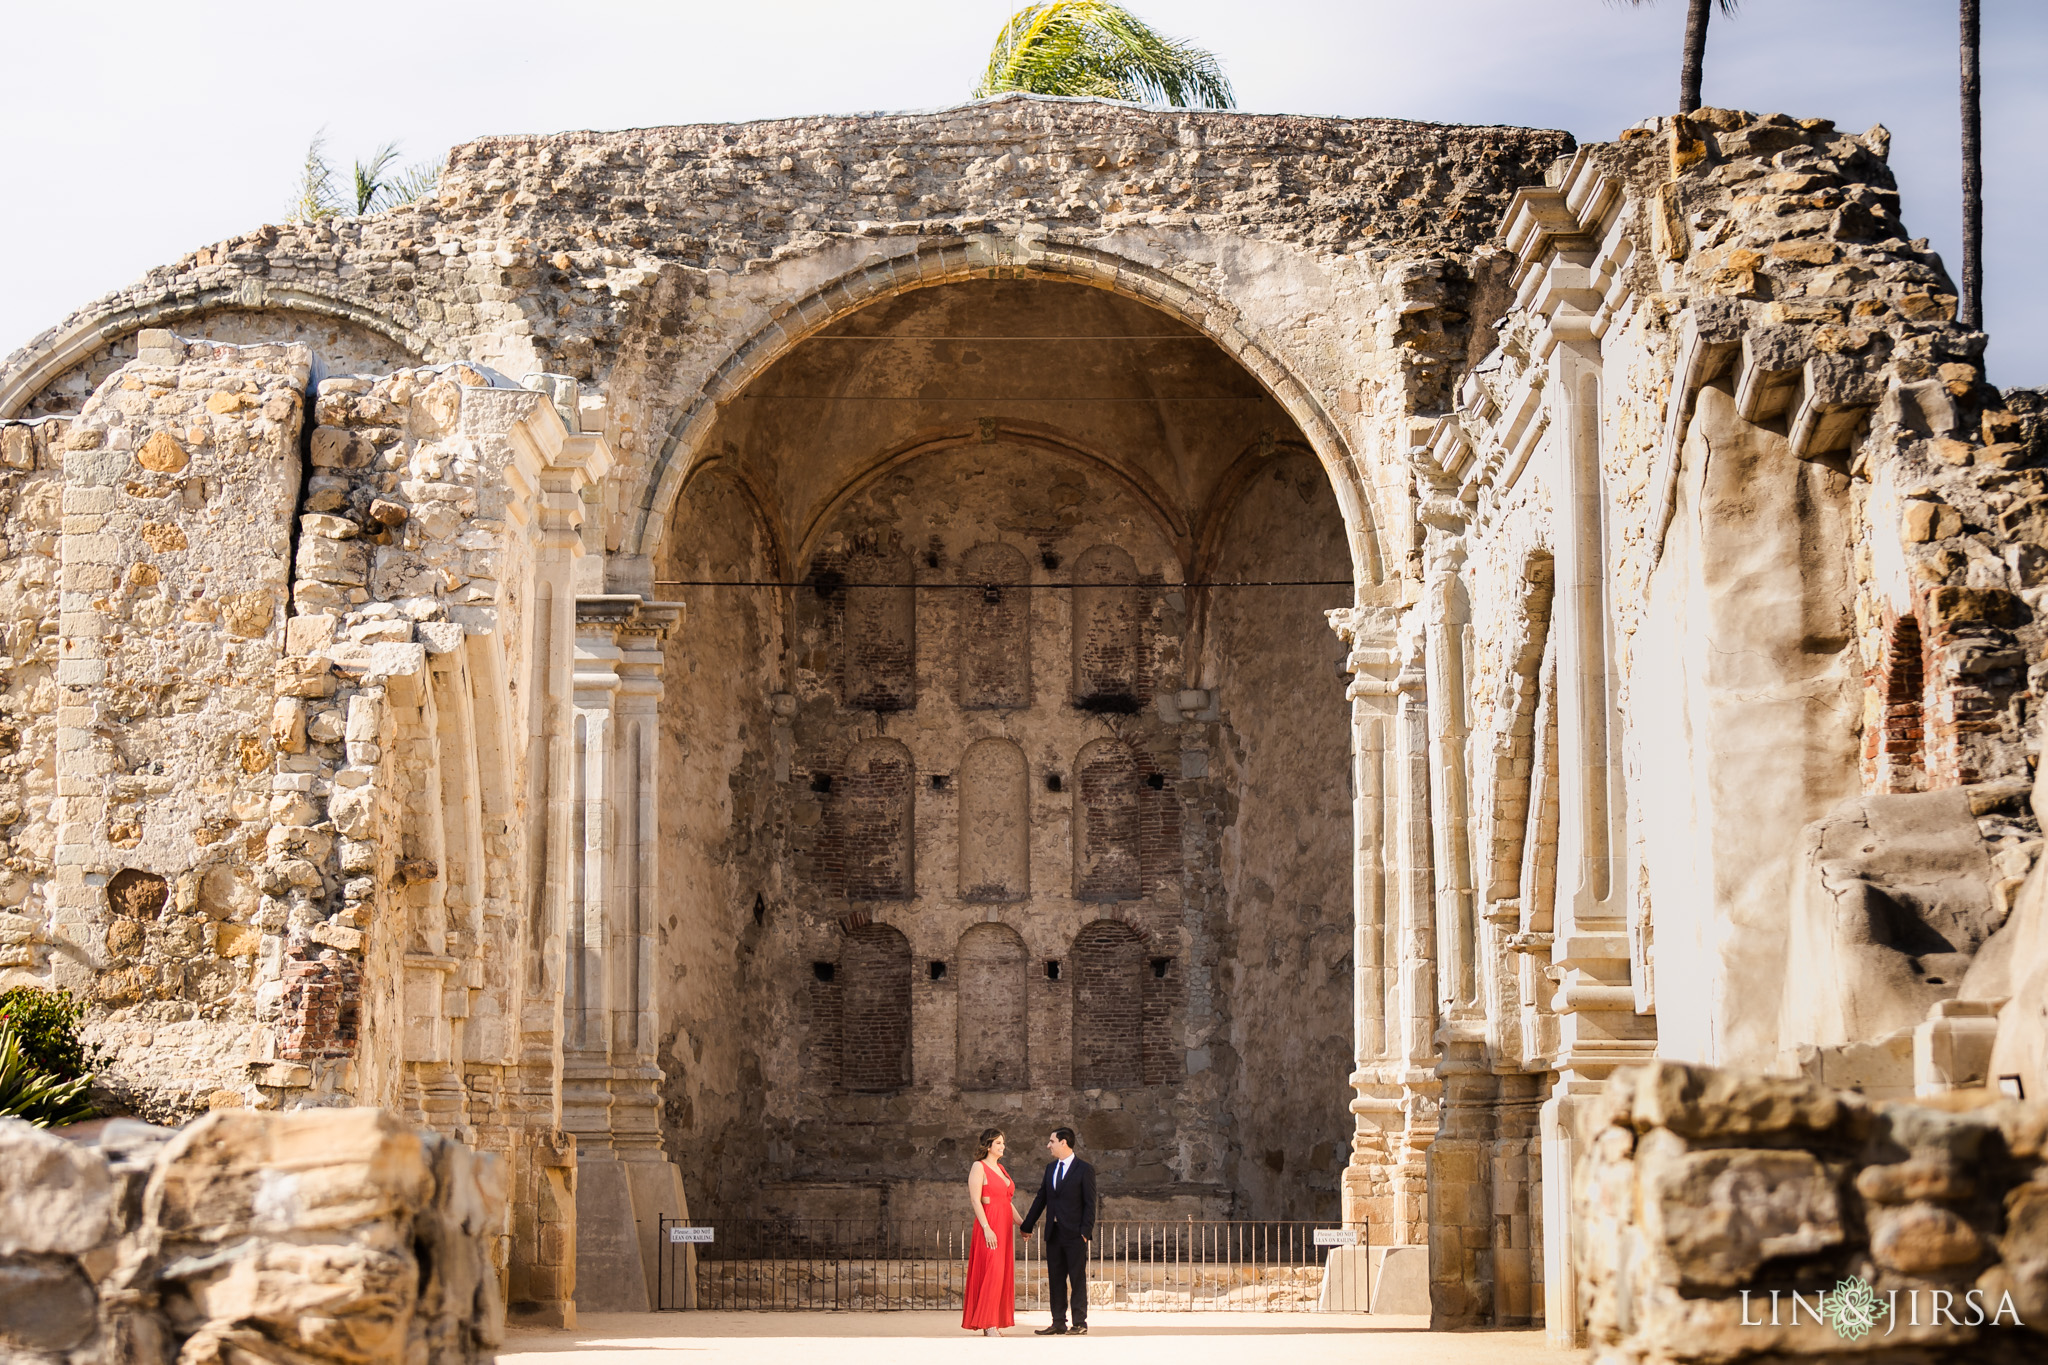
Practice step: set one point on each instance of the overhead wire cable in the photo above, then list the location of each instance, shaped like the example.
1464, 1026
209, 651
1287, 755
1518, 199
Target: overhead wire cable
837, 585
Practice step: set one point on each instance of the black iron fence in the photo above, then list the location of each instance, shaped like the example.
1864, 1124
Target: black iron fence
1189, 1265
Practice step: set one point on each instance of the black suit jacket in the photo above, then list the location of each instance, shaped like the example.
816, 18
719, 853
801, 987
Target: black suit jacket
1070, 1209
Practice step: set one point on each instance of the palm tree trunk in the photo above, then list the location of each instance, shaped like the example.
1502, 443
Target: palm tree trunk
1972, 315
1689, 75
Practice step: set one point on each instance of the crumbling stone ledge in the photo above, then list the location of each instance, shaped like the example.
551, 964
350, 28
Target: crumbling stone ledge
328, 1235
1710, 1198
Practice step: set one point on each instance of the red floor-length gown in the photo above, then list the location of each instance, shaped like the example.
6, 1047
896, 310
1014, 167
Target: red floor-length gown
991, 1298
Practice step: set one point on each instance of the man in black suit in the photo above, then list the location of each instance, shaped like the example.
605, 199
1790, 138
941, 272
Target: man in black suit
1066, 1196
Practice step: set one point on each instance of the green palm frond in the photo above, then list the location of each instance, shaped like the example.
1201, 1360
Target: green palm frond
33, 1095
1094, 47
369, 177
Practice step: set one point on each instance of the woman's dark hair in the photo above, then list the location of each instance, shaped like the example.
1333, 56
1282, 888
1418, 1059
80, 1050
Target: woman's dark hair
987, 1140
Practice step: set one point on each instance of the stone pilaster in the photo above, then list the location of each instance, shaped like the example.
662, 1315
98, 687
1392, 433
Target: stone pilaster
1413, 1066
1599, 1026
553, 468
1368, 1177
610, 1078
1395, 1010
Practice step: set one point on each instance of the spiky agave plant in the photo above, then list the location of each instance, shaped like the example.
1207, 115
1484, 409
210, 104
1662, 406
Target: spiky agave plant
1093, 47
35, 1095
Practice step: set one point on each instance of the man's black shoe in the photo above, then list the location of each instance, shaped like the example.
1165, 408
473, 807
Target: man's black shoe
1053, 1331
1080, 1329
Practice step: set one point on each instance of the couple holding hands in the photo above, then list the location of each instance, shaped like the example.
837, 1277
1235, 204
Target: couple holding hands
1066, 1196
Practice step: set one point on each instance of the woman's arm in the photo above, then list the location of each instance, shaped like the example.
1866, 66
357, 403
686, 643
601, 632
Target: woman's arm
975, 1178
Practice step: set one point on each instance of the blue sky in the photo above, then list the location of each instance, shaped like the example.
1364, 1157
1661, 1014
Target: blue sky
137, 132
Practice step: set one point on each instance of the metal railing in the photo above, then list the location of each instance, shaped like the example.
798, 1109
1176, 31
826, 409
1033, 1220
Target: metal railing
1189, 1265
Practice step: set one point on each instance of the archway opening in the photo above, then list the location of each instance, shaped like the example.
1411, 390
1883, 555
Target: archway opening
1012, 588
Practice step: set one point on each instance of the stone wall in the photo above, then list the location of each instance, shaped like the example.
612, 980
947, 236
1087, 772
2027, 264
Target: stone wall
1727, 1217
1730, 461
636, 260
332, 1236
430, 704
31, 465
181, 477
342, 345
269, 816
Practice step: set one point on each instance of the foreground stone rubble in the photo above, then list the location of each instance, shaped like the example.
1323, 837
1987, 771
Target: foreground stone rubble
325, 1236
728, 659
1710, 1199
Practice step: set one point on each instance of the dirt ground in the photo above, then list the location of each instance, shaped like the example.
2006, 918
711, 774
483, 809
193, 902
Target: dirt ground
912, 1338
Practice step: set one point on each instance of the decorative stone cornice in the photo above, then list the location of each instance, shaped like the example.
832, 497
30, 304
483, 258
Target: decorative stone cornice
626, 614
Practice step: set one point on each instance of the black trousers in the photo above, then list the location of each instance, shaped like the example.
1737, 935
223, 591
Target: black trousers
1066, 1264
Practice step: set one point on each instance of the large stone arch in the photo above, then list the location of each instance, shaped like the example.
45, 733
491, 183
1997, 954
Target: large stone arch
76, 340
989, 256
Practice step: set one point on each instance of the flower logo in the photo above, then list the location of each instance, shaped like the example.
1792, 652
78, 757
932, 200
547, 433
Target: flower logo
1854, 1308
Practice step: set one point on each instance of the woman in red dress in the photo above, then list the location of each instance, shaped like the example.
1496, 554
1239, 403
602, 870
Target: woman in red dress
990, 1303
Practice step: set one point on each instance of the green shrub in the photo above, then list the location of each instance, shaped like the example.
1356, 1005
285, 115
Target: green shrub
46, 1024
35, 1095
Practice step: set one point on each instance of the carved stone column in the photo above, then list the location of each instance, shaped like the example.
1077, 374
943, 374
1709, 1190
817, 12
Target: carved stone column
611, 1083
1395, 993
1369, 1176
1599, 1027
1460, 1158
634, 1036
1416, 966
1445, 618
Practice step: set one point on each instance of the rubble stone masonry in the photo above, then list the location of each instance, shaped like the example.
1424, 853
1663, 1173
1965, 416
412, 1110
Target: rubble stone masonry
731, 658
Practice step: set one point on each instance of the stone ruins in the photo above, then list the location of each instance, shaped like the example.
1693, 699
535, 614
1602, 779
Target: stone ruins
319, 1237
715, 662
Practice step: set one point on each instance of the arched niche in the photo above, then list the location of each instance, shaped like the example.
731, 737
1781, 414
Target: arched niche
994, 624
878, 641
1109, 969
1108, 644
1108, 825
875, 804
993, 992
874, 1001
995, 822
